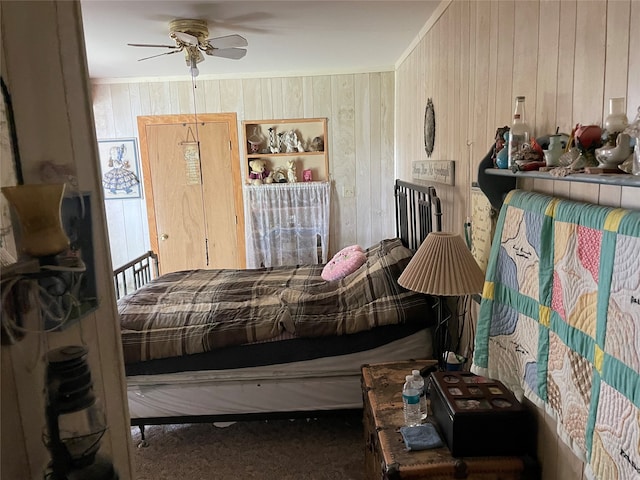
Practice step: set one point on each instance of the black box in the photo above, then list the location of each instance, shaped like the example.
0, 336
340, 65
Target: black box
479, 416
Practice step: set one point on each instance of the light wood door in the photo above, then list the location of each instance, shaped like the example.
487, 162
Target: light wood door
194, 203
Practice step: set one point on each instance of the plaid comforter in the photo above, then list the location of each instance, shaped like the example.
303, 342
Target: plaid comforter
197, 311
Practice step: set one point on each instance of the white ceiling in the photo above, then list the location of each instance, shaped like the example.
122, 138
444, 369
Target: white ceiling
285, 37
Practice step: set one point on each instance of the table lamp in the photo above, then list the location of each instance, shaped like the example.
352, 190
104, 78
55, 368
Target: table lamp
443, 267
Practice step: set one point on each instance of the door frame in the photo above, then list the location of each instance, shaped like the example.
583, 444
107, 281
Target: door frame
231, 120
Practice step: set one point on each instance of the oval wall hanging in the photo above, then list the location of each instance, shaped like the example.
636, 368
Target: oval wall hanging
429, 128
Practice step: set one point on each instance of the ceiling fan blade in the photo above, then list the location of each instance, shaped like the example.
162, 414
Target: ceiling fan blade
159, 55
150, 45
186, 38
233, 53
227, 41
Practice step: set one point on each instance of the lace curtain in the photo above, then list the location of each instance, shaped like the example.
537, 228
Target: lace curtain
287, 224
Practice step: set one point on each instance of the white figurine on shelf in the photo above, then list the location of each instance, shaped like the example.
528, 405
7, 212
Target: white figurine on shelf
633, 130
273, 145
291, 171
290, 142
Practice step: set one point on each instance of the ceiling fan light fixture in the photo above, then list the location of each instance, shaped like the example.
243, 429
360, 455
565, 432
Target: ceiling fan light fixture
193, 69
191, 37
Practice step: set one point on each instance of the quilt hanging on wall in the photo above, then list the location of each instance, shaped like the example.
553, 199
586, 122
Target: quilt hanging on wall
559, 323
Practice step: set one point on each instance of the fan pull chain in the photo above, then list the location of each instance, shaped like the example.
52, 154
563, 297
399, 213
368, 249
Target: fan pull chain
202, 199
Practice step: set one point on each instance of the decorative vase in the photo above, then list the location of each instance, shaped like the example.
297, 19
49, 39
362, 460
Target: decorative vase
617, 120
555, 150
502, 158
254, 146
38, 209
588, 137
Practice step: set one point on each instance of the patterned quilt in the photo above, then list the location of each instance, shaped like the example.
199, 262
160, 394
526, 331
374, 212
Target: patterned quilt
560, 323
196, 311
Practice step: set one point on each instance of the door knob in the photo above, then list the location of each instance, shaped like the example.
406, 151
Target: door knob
164, 236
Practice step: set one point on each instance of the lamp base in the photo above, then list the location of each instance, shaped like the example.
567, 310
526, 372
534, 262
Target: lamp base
441, 335
100, 469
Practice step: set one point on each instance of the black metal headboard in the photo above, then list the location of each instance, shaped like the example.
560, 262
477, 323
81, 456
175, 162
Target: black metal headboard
418, 212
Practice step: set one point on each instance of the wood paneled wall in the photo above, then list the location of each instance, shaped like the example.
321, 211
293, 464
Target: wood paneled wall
567, 57
360, 113
52, 111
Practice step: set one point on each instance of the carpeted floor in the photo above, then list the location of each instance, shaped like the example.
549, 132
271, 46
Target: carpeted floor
326, 448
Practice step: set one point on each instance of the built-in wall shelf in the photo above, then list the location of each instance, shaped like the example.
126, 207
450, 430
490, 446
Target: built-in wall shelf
496, 189
617, 179
274, 142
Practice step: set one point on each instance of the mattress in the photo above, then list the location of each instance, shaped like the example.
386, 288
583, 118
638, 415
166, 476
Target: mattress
286, 349
325, 383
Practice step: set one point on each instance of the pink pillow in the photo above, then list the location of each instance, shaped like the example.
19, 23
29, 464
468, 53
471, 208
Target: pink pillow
346, 261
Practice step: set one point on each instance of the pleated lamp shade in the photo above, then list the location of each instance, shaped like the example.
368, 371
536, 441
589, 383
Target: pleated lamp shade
443, 266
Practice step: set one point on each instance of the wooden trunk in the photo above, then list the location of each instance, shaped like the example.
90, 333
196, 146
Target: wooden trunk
385, 455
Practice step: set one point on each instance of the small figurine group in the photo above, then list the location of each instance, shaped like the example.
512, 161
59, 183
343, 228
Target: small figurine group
259, 173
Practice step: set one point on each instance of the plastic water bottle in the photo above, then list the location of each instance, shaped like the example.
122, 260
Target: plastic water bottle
418, 382
411, 403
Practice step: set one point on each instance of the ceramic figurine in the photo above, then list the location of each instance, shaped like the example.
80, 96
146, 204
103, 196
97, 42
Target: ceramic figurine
291, 171
317, 145
633, 130
611, 157
281, 145
273, 145
290, 141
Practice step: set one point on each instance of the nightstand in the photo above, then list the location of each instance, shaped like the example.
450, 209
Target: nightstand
385, 454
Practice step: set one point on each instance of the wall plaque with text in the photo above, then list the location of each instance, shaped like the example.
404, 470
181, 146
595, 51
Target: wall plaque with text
439, 171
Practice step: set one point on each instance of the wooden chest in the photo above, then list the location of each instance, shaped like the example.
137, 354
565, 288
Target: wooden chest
385, 455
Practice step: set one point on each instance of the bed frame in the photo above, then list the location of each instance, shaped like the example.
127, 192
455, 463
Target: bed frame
135, 274
418, 212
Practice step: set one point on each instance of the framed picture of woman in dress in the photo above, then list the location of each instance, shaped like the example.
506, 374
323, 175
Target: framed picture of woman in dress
119, 168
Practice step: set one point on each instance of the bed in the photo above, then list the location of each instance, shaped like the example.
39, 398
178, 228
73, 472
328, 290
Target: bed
226, 345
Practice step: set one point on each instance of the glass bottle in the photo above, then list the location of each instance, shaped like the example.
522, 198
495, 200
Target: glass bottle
519, 133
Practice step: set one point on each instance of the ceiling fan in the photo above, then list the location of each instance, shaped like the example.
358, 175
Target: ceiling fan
191, 37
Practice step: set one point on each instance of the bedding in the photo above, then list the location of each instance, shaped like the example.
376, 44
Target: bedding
559, 320
196, 311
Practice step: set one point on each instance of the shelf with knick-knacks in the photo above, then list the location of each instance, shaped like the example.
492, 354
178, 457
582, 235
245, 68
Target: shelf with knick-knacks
286, 150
